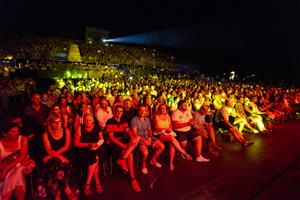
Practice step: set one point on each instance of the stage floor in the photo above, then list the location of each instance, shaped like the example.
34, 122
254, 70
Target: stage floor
270, 169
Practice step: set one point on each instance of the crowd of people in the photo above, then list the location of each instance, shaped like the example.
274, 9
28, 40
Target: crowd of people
59, 136
65, 132
14, 91
45, 52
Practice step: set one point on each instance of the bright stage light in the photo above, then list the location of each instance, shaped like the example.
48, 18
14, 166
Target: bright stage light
232, 75
163, 38
105, 40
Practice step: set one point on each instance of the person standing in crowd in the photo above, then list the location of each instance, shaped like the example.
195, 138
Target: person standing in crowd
34, 119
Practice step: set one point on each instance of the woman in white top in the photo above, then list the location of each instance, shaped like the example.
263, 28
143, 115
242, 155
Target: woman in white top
15, 163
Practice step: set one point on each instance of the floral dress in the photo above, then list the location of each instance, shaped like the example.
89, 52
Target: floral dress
57, 174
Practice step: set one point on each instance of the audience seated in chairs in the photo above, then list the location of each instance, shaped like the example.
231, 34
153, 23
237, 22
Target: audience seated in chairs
173, 89
241, 120
182, 120
258, 117
58, 162
129, 110
121, 144
140, 125
204, 127
82, 109
88, 138
225, 121
104, 112
163, 130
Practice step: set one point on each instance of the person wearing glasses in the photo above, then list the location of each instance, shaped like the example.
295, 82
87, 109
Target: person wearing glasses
58, 161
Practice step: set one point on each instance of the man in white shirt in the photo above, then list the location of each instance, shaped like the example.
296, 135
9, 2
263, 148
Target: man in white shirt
104, 112
182, 120
204, 126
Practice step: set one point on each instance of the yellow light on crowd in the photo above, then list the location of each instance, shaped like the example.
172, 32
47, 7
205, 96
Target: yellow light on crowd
9, 57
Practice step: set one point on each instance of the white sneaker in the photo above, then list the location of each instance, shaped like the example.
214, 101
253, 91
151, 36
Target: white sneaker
202, 159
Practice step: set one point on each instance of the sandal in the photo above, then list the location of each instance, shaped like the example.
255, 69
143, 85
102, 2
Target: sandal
187, 156
87, 190
98, 188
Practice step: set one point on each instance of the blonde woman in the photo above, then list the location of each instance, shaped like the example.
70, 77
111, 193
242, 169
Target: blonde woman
164, 132
88, 138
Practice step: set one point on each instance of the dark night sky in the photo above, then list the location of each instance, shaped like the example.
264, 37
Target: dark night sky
250, 34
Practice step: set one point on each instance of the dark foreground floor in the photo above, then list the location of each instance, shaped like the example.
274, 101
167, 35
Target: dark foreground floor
270, 169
